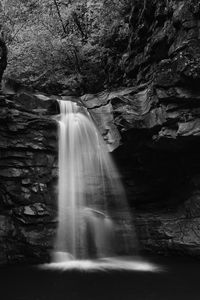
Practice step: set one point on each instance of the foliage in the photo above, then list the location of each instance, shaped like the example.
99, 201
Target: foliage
59, 44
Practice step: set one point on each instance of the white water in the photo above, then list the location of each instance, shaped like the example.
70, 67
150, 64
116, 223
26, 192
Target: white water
106, 264
90, 192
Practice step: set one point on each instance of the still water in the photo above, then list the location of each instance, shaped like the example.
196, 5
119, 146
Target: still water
172, 279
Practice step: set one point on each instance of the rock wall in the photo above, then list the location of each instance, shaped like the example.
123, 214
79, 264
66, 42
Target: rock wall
164, 59
28, 172
158, 119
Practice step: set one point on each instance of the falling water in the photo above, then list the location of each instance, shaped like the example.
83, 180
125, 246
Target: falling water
90, 192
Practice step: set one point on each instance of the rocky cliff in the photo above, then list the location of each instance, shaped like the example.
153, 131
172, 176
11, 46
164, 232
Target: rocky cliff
28, 174
158, 119
164, 59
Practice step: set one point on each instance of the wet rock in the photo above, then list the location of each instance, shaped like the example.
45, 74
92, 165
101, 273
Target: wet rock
34, 213
172, 232
35, 103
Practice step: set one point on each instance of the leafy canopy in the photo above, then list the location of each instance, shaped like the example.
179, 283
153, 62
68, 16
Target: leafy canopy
59, 44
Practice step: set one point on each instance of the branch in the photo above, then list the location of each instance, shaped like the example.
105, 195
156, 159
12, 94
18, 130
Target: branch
76, 21
143, 10
47, 27
16, 33
78, 24
59, 15
65, 32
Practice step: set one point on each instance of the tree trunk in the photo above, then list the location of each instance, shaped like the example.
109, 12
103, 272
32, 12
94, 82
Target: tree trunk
3, 57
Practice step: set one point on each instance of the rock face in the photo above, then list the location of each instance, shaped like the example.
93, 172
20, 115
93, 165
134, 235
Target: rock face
158, 120
28, 169
164, 58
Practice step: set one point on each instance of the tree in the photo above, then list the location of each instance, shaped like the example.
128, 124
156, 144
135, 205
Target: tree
58, 44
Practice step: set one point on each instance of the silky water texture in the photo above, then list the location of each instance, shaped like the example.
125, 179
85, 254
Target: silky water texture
90, 192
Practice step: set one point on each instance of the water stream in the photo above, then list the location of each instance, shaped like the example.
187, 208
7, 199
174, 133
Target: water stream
93, 217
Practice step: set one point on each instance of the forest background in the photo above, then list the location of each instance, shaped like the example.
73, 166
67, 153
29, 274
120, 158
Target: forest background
65, 46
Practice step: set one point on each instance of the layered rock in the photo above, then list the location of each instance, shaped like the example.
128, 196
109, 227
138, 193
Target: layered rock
28, 173
157, 121
164, 54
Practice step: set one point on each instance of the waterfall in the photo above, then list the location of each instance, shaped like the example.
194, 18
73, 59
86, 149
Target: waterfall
90, 192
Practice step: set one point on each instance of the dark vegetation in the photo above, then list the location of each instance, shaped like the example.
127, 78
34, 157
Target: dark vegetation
65, 46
